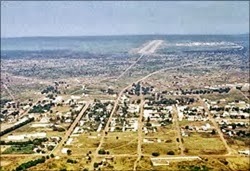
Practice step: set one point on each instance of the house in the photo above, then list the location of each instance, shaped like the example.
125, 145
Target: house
69, 141
64, 150
16, 137
133, 108
109, 107
68, 120
37, 135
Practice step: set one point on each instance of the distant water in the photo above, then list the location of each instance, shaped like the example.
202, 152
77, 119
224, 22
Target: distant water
117, 44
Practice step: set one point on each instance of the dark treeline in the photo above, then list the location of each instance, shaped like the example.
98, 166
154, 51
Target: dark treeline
16, 126
25, 166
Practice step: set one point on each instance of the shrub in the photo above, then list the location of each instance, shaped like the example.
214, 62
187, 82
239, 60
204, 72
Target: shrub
96, 165
71, 161
186, 150
155, 154
69, 152
170, 153
101, 151
213, 132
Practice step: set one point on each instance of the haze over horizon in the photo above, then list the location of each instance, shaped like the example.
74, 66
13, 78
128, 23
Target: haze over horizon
53, 19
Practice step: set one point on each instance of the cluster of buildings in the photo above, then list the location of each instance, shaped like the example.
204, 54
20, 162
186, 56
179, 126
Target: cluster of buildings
192, 113
96, 117
232, 118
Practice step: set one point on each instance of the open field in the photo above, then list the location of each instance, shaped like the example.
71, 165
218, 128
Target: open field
125, 144
167, 135
196, 145
238, 143
120, 163
10, 163
162, 148
61, 163
218, 164
84, 143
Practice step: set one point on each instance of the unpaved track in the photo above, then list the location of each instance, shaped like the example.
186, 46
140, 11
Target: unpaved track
175, 113
9, 92
129, 67
70, 130
140, 126
229, 150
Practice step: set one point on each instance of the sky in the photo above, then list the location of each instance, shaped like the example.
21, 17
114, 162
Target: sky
65, 18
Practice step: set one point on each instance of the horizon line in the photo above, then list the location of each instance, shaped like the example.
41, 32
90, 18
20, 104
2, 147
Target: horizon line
113, 35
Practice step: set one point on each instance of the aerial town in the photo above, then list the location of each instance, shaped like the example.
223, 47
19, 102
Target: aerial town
132, 102
147, 124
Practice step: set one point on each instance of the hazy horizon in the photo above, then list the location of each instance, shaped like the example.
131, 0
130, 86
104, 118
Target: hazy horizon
66, 36
75, 18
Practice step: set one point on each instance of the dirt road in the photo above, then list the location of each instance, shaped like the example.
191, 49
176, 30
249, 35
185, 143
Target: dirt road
57, 149
116, 105
140, 126
229, 150
176, 122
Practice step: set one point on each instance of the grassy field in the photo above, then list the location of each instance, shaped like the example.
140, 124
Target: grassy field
145, 164
28, 129
61, 163
168, 134
10, 163
62, 109
197, 144
241, 163
162, 148
84, 143
237, 144
217, 164
125, 144
163, 132
121, 163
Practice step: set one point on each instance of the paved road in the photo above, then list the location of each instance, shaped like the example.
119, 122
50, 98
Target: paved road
57, 149
149, 48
